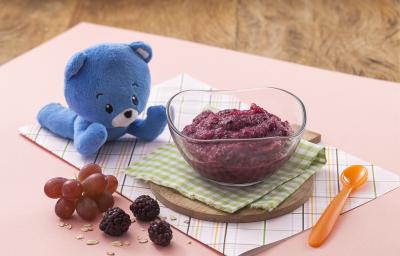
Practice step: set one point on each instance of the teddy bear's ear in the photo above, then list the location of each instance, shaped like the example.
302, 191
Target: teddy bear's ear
142, 50
74, 64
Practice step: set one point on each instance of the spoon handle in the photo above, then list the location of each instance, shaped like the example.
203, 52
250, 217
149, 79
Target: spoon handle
325, 223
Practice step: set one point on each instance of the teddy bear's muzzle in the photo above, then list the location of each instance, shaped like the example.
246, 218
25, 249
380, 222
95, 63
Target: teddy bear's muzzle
125, 118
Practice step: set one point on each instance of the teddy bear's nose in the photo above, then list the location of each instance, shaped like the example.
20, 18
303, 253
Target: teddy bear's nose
128, 114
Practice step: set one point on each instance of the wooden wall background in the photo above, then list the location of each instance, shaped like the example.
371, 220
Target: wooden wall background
360, 37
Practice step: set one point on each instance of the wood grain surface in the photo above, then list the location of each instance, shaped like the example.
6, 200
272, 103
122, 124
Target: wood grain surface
195, 209
360, 37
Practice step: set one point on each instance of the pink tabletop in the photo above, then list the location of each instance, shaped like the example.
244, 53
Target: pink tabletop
359, 115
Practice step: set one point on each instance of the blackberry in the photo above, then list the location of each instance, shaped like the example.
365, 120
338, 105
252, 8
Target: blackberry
115, 222
160, 232
145, 208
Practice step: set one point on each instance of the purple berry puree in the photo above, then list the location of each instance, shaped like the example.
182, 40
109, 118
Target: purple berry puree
237, 162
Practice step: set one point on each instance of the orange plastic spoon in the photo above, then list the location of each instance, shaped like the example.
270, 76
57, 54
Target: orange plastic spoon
352, 178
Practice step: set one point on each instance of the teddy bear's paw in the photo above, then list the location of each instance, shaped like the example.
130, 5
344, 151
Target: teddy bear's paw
152, 126
157, 114
91, 140
156, 121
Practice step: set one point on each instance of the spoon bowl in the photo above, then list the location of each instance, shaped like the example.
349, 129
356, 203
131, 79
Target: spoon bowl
354, 176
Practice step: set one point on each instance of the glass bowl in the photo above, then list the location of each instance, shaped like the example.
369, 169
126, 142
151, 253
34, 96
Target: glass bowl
236, 162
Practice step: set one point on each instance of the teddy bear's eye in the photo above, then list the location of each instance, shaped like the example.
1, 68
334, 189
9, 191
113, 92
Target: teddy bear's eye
109, 108
135, 100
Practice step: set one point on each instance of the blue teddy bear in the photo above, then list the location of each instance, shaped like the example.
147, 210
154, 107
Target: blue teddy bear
106, 87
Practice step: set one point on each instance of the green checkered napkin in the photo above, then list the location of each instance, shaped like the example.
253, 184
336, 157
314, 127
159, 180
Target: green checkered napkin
166, 167
273, 199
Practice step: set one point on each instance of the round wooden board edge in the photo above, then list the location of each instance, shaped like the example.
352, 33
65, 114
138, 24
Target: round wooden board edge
198, 210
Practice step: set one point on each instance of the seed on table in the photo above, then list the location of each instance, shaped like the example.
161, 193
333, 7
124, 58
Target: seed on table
127, 243
86, 229
117, 243
143, 240
68, 226
92, 242
186, 222
189, 242
87, 226
172, 217
79, 237
61, 224
110, 253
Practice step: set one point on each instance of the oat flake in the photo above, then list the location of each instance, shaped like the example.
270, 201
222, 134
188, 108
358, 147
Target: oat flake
143, 240
117, 243
92, 242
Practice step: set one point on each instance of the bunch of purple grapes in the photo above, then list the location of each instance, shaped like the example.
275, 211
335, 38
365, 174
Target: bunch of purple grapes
89, 194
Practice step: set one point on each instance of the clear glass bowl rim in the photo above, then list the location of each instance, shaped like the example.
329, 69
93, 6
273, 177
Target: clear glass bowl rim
298, 133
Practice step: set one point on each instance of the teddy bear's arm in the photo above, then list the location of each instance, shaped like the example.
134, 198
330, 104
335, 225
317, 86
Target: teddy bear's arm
58, 119
148, 129
88, 137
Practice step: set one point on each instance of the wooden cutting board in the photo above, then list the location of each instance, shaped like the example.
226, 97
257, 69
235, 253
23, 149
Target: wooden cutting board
196, 209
